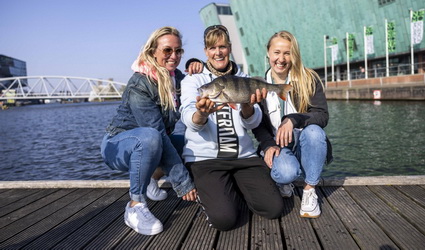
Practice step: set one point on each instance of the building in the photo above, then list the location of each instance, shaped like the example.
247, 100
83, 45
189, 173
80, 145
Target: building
11, 67
320, 24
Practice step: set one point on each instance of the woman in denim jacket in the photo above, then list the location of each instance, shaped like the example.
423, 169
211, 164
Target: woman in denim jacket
138, 138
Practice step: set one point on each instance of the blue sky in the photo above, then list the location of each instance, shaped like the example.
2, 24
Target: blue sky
93, 38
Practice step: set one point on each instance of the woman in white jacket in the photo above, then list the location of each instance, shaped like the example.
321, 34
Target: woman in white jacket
219, 152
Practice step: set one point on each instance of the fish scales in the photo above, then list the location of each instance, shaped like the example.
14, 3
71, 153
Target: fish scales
233, 89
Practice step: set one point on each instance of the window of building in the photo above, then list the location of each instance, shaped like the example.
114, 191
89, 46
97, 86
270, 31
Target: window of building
224, 10
246, 51
241, 31
385, 2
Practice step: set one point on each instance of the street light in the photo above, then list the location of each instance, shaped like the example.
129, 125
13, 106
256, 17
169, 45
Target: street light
325, 37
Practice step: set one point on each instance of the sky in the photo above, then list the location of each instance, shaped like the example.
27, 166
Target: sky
93, 38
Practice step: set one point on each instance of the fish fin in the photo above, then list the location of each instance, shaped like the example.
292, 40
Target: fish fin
232, 105
284, 91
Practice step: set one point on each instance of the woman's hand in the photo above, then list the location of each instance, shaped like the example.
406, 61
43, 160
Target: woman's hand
191, 196
204, 108
284, 133
247, 108
195, 68
269, 154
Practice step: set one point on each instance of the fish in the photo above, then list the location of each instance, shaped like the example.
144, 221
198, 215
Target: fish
234, 89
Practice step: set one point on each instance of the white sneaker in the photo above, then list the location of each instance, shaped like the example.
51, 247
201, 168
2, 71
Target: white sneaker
154, 192
309, 205
286, 190
141, 220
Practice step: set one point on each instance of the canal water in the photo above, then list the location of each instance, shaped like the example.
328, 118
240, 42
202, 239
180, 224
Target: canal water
61, 141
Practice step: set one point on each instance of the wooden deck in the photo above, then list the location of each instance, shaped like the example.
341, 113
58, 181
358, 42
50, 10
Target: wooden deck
353, 217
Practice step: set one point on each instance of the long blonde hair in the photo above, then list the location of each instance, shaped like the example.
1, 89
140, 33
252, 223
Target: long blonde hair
302, 78
164, 81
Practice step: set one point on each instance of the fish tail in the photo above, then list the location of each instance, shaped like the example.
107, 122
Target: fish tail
284, 90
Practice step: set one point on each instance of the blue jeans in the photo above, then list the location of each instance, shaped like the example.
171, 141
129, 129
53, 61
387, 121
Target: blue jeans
308, 155
140, 151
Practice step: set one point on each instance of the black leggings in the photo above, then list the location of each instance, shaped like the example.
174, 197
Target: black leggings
220, 183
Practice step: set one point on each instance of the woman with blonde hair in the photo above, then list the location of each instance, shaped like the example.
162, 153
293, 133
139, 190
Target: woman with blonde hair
138, 139
291, 136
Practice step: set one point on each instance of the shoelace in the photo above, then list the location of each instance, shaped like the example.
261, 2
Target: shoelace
306, 198
144, 211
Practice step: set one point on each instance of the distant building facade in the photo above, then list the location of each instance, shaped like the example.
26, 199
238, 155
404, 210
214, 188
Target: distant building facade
320, 24
11, 67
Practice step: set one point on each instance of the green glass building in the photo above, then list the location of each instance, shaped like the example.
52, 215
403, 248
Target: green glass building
322, 28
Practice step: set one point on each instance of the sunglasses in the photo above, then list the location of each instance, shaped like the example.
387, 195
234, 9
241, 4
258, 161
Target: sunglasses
169, 51
215, 27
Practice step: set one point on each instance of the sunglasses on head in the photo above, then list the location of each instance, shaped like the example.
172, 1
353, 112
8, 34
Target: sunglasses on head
215, 27
169, 51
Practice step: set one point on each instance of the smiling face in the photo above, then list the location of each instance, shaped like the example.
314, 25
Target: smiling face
169, 61
279, 54
219, 54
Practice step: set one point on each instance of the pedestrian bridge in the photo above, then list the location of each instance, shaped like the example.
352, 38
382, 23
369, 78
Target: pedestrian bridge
59, 88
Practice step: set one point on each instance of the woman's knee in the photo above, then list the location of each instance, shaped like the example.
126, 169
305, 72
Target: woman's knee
284, 170
149, 138
313, 133
223, 221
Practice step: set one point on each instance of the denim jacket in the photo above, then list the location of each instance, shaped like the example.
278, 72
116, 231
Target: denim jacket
141, 107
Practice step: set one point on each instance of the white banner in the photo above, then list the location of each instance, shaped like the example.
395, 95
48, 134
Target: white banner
334, 50
370, 49
417, 31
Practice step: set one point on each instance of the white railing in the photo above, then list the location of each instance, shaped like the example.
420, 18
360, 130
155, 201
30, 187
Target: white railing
59, 87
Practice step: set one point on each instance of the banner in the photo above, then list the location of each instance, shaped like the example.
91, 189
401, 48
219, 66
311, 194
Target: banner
351, 45
370, 49
417, 26
391, 36
334, 49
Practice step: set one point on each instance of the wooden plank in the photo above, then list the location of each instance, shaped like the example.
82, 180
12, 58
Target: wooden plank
32, 213
298, 232
161, 210
363, 229
9, 196
54, 213
237, 238
329, 228
403, 234
405, 206
417, 193
201, 234
176, 228
265, 233
79, 212
22, 203
98, 219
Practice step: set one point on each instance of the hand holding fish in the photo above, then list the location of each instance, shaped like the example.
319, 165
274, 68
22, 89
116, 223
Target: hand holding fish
284, 133
205, 107
247, 108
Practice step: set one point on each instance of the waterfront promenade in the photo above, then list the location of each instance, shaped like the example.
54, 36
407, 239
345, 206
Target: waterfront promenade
357, 213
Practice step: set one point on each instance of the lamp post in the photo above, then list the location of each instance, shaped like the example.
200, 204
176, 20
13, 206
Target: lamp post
325, 37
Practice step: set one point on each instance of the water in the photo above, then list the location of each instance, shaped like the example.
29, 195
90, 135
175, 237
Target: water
61, 141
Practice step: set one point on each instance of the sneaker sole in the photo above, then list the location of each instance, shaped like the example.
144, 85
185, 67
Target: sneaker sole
307, 215
145, 231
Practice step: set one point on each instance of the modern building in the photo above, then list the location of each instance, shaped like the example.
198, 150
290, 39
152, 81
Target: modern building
11, 67
324, 28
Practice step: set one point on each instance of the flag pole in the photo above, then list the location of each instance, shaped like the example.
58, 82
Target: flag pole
411, 44
326, 68
386, 49
348, 58
365, 52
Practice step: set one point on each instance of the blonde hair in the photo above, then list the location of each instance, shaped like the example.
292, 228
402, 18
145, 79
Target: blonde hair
302, 78
216, 33
164, 81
